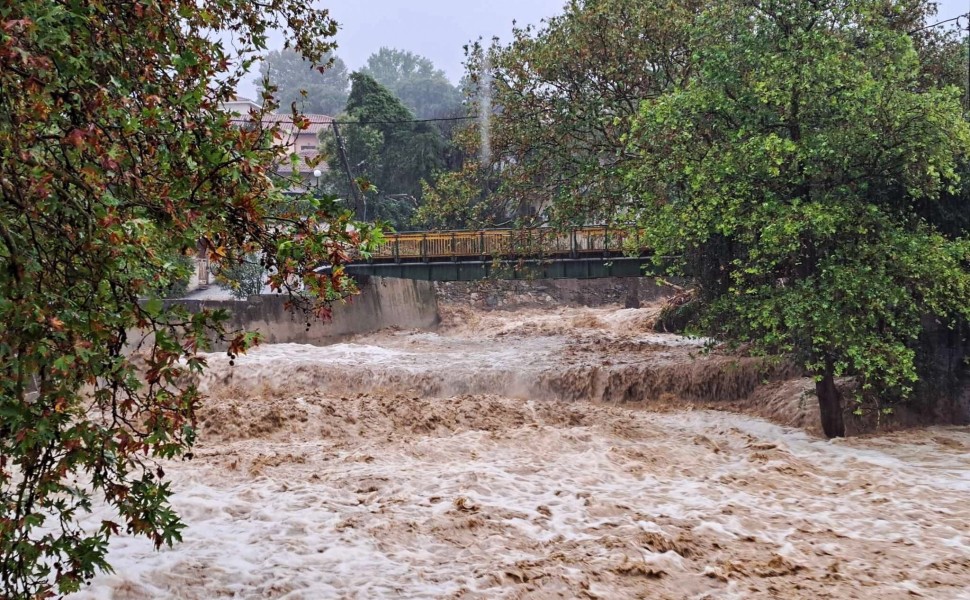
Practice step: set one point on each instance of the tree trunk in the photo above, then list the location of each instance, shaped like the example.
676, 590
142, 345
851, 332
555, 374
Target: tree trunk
830, 402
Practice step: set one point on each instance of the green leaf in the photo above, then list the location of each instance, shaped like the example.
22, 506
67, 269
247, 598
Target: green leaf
154, 306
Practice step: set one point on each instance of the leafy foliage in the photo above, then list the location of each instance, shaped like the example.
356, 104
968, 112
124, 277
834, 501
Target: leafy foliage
115, 156
414, 79
797, 162
184, 269
244, 279
386, 150
560, 98
297, 81
461, 200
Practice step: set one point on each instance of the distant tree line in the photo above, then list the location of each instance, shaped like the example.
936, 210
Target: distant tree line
388, 151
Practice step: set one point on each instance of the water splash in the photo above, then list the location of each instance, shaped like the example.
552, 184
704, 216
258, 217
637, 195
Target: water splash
485, 111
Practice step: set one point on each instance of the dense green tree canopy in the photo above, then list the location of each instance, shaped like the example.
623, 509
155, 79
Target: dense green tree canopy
297, 81
384, 148
116, 159
415, 81
559, 99
797, 163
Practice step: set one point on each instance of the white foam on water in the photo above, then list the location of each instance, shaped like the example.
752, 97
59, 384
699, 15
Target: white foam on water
404, 495
430, 516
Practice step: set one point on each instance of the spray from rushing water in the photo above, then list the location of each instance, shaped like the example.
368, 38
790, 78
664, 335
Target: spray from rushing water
330, 471
485, 111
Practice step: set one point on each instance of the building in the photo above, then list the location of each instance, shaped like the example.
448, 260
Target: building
305, 143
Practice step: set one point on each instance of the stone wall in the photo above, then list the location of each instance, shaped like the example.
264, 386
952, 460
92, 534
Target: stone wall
382, 303
510, 294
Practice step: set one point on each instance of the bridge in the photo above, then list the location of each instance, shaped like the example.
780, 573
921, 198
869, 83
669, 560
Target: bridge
536, 253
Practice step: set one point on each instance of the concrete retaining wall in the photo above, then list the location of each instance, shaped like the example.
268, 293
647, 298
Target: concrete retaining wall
382, 303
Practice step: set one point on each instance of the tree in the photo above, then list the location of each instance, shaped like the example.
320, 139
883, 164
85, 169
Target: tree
558, 101
115, 159
465, 195
245, 278
177, 288
297, 81
415, 81
386, 149
795, 166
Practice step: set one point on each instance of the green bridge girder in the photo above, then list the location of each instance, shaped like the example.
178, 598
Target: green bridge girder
474, 270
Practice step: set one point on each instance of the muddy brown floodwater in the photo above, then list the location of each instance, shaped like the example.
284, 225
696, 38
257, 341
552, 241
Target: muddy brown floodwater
556, 454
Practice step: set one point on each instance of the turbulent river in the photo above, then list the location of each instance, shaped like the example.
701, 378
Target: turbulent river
567, 453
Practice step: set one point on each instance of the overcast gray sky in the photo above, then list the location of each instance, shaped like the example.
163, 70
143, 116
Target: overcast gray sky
434, 28
439, 28
953, 8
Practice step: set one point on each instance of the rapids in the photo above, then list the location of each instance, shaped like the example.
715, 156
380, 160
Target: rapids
569, 453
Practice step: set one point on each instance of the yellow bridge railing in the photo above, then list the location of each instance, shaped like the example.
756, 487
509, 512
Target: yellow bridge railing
540, 241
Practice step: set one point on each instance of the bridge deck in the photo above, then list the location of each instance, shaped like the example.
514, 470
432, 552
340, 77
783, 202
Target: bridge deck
536, 242
538, 253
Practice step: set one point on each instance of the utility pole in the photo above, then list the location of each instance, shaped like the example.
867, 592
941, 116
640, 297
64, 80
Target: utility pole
342, 151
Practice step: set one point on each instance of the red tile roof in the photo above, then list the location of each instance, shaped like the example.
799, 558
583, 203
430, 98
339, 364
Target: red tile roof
317, 123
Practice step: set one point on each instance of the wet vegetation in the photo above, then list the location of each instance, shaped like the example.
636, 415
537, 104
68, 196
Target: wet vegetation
805, 163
